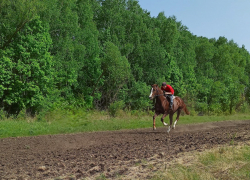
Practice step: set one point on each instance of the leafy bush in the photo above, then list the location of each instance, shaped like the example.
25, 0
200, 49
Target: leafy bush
3, 114
138, 96
115, 107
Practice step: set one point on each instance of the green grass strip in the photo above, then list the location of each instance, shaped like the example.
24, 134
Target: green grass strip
68, 122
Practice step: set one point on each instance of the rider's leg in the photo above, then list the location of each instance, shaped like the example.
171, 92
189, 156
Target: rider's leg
171, 100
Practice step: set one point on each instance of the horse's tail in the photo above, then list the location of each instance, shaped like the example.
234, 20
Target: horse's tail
186, 110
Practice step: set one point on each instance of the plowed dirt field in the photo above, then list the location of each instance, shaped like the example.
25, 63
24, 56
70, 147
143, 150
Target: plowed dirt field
110, 154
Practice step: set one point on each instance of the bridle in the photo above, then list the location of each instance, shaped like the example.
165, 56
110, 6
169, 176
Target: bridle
158, 94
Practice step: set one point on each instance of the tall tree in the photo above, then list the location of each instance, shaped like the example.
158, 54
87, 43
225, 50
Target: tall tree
88, 36
67, 49
14, 15
115, 74
27, 68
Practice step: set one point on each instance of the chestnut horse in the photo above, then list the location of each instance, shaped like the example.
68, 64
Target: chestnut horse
162, 107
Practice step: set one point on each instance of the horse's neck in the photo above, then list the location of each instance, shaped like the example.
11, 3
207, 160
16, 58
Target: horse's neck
161, 98
160, 91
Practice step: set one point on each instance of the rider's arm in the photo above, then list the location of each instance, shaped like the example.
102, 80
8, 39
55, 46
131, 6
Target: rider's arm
168, 93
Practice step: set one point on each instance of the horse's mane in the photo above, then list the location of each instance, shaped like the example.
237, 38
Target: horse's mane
156, 85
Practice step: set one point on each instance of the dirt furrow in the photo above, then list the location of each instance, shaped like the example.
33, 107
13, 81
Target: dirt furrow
86, 154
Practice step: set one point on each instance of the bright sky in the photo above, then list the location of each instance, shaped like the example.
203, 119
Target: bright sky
208, 18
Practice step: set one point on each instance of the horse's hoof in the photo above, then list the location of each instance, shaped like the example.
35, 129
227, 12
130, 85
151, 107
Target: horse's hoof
154, 128
165, 124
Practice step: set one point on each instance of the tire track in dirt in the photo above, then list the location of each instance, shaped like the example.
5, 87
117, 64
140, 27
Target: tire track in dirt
88, 154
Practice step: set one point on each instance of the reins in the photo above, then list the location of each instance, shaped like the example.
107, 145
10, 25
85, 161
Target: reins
159, 94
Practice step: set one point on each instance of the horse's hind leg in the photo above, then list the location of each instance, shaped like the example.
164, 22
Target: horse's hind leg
162, 119
177, 118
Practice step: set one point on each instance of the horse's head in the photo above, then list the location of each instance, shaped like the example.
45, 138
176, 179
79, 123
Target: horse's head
155, 90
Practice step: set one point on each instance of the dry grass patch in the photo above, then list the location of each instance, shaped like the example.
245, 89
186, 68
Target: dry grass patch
226, 162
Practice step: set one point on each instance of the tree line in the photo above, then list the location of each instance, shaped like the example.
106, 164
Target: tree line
97, 53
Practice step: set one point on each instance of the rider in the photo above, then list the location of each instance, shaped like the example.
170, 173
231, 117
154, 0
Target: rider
168, 91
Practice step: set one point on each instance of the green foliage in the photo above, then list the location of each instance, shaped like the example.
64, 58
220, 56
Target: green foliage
3, 115
22, 115
28, 68
14, 16
88, 36
92, 53
138, 96
115, 107
116, 72
68, 52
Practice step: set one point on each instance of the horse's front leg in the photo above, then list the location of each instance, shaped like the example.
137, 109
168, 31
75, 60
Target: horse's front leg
156, 114
171, 121
162, 119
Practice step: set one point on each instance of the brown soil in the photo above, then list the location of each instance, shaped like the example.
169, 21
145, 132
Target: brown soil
109, 154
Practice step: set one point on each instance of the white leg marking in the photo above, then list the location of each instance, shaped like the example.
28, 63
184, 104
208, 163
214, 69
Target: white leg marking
169, 128
174, 124
151, 93
165, 124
